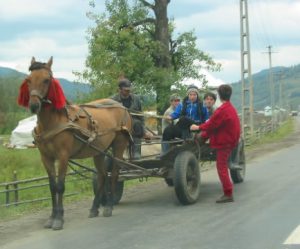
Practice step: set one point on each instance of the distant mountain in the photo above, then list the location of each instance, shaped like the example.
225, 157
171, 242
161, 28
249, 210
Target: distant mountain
8, 72
72, 90
287, 77
11, 113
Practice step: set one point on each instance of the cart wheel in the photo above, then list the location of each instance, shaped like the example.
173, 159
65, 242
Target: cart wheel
119, 186
187, 177
169, 182
237, 163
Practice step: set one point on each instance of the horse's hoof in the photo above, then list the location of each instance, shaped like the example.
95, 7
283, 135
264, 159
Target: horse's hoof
49, 223
107, 212
58, 224
93, 213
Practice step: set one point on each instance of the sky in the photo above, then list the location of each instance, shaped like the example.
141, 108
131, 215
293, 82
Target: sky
59, 28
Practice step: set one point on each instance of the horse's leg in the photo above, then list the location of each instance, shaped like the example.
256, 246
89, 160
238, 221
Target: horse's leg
118, 146
49, 166
99, 195
60, 189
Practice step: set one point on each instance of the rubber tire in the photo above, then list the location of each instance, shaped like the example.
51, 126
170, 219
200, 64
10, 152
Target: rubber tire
238, 157
119, 186
187, 178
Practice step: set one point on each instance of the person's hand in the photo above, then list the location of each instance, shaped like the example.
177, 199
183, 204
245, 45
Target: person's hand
194, 127
168, 118
148, 136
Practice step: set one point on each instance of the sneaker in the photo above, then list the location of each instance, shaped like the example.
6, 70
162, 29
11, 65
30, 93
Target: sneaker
224, 199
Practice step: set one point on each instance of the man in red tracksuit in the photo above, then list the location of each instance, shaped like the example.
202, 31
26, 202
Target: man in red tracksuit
223, 130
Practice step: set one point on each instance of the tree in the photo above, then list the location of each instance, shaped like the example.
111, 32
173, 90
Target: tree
136, 39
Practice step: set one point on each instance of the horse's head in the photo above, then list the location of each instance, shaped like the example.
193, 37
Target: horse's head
41, 88
38, 83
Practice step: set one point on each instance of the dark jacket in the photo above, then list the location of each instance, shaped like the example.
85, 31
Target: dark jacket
223, 127
133, 104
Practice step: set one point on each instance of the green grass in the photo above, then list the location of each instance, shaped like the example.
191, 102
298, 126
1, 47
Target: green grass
27, 164
282, 132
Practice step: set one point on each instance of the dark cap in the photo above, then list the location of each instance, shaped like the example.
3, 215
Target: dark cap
125, 84
210, 94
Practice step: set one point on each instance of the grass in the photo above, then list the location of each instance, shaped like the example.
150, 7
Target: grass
27, 165
282, 132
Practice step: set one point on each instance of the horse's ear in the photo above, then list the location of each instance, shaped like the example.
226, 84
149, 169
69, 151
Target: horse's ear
50, 61
32, 60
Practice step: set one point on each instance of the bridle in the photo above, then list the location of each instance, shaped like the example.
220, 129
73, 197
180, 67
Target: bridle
36, 93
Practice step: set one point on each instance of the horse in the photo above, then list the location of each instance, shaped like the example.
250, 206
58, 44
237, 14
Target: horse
103, 124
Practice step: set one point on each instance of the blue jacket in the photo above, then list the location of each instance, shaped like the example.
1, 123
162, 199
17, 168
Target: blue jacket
191, 112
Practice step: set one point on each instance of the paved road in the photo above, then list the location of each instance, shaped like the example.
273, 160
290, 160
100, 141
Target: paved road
265, 215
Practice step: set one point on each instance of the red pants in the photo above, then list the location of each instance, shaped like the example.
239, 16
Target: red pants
223, 172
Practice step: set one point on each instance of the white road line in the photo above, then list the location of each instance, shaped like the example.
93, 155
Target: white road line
294, 238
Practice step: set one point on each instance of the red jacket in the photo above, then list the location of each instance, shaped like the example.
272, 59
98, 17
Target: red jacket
223, 127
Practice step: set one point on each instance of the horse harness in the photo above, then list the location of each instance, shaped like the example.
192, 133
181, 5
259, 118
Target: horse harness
92, 130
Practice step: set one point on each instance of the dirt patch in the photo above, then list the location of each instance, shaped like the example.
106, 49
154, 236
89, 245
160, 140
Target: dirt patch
20, 227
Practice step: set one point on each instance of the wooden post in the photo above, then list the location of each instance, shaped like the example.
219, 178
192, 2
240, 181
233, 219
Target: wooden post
16, 189
7, 195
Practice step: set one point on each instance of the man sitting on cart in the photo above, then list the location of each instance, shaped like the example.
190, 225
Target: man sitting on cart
133, 103
190, 111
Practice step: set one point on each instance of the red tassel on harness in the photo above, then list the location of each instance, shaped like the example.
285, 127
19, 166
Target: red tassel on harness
55, 95
23, 98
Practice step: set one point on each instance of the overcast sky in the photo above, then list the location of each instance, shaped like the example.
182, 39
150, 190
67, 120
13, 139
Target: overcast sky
58, 27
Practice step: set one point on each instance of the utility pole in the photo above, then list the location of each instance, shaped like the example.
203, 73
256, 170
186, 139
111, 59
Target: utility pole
280, 94
271, 83
246, 75
280, 99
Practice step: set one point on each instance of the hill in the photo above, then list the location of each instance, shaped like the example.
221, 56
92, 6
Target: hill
72, 90
10, 112
287, 77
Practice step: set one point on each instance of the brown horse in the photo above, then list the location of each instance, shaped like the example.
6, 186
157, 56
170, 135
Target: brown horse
103, 123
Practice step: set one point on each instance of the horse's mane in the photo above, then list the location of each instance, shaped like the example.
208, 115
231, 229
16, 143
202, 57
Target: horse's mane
38, 65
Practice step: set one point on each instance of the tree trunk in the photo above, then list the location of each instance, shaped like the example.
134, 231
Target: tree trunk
162, 57
162, 33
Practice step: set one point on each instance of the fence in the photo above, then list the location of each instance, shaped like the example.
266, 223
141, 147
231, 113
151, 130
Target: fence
264, 125
12, 189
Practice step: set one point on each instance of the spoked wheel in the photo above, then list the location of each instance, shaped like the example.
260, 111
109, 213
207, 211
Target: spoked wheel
187, 177
237, 163
119, 186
